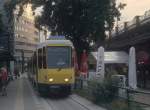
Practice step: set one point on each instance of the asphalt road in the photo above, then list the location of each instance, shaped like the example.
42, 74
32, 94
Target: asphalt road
21, 96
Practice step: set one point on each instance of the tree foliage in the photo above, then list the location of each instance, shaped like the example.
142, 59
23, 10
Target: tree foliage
10, 6
1, 24
81, 21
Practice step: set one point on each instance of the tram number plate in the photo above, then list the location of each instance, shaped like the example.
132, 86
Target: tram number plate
54, 87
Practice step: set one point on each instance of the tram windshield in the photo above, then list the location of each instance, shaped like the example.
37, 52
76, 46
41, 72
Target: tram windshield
59, 57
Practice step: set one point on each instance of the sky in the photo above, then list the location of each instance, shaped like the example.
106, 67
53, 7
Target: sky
133, 8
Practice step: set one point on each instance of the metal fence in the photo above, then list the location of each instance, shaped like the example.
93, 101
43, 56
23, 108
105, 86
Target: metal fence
140, 97
133, 23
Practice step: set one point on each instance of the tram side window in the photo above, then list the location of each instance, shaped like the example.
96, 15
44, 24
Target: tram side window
40, 58
44, 57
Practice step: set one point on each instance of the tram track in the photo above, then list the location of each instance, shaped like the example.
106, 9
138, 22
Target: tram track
60, 102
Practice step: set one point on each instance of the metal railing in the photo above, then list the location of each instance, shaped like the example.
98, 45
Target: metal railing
132, 24
141, 97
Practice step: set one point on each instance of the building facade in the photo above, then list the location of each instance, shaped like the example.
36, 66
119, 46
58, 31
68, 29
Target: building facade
25, 36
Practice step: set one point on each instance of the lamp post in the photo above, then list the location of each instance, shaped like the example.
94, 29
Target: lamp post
22, 55
42, 33
45, 33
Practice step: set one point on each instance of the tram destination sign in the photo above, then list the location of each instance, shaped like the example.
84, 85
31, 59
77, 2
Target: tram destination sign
56, 37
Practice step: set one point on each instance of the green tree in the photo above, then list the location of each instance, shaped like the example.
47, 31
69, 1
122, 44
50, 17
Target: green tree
81, 21
10, 6
1, 24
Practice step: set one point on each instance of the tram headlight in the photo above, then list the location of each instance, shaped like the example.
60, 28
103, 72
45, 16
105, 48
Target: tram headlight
51, 79
66, 79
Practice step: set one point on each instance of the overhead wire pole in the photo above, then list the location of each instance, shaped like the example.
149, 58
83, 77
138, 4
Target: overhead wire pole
22, 55
45, 34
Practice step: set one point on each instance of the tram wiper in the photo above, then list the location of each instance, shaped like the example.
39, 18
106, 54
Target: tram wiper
60, 65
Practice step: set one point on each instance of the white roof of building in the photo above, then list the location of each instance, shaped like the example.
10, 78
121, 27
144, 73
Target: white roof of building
65, 42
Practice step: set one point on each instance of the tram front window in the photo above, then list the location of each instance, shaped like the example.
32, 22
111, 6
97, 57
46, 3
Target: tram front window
58, 57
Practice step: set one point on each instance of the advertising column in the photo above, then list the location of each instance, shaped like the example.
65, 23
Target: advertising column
100, 63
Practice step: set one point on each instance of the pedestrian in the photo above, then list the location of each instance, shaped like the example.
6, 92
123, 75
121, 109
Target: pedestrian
16, 72
4, 79
0, 81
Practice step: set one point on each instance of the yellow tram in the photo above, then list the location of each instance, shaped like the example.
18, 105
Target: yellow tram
52, 66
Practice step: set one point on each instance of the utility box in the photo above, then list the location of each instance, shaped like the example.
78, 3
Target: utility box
119, 80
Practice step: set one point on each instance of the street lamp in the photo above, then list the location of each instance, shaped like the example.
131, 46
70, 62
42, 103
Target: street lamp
22, 55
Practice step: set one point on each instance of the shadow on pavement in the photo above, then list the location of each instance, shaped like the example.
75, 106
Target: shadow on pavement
54, 95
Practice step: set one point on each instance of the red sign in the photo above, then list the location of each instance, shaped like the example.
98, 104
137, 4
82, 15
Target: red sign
84, 64
143, 57
75, 62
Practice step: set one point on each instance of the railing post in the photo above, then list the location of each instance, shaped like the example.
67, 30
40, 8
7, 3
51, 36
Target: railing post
125, 26
137, 21
75, 84
116, 29
81, 83
128, 98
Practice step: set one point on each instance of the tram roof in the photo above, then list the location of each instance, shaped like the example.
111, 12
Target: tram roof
55, 43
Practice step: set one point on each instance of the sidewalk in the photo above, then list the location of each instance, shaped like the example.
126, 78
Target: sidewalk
18, 96
8, 102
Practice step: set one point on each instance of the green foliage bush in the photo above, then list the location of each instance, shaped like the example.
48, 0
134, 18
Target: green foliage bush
1, 24
123, 105
118, 105
103, 92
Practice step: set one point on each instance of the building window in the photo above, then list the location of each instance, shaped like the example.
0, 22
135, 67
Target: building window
16, 35
23, 22
21, 28
25, 30
16, 28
